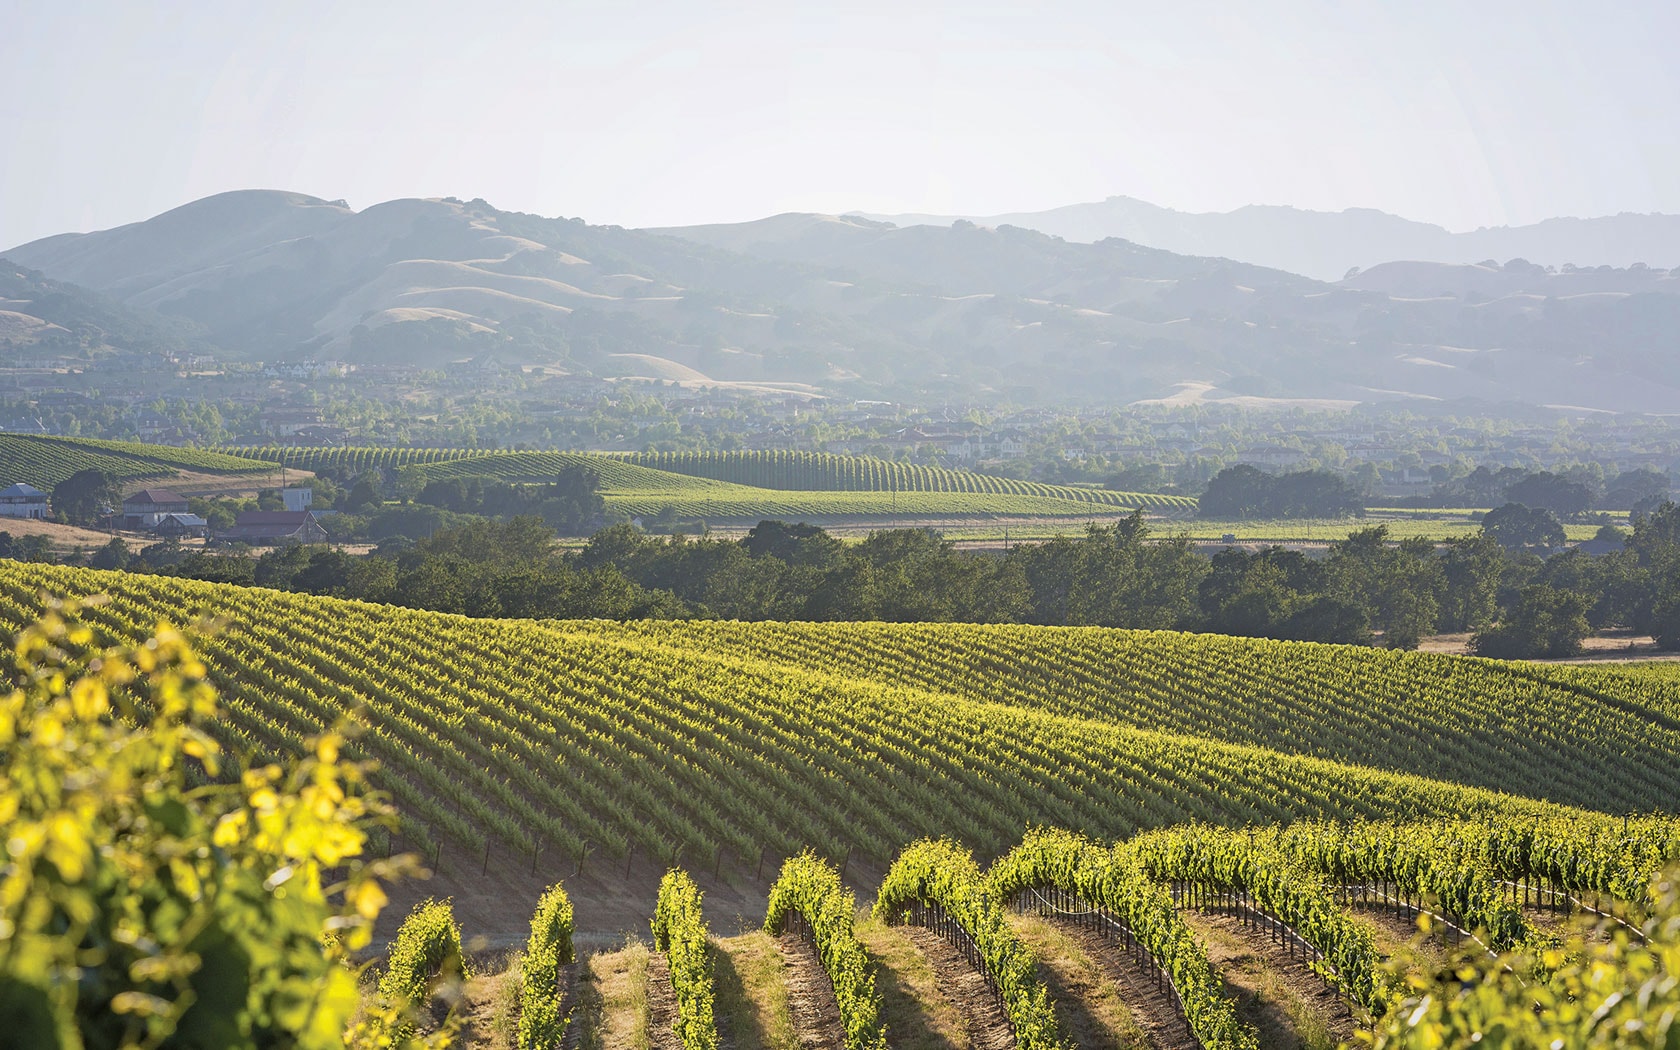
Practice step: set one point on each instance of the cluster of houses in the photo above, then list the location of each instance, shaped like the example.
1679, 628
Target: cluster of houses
166, 515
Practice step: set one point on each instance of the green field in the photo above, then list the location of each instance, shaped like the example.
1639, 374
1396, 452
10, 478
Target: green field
45, 461
643, 491
741, 736
1210, 792
1325, 530
829, 472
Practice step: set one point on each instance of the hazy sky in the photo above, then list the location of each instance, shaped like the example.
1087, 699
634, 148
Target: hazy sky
1465, 113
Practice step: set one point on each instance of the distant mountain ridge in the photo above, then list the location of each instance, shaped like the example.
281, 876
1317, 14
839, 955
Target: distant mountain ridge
806, 304
41, 316
1326, 245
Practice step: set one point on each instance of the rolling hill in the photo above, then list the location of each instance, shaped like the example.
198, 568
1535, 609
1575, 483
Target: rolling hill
682, 740
1051, 820
44, 318
44, 461
1326, 245
811, 304
733, 488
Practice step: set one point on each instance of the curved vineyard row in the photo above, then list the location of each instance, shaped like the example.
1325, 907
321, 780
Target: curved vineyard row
438, 464
1111, 882
808, 897
45, 461
936, 883
1549, 733
207, 461
354, 458
635, 487
528, 737
680, 932
45, 464
1293, 875
1203, 860
804, 471
542, 1025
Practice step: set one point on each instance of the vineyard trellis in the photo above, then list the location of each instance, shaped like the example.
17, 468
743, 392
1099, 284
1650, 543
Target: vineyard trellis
799, 470
585, 741
648, 484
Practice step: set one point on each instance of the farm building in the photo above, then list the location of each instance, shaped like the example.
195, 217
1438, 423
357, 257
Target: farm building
181, 526
267, 528
23, 501
144, 509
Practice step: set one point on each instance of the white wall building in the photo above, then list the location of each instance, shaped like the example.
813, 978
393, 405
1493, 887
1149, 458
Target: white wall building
23, 501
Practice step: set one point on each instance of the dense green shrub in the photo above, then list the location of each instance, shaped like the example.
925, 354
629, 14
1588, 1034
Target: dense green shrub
428, 946
943, 873
550, 947
143, 906
1603, 991
811, 887
681, 934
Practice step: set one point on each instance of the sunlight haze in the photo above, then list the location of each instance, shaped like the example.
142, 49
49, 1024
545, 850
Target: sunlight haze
663, 114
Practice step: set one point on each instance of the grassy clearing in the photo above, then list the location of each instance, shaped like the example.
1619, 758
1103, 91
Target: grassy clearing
612, 1008
491, 1005
752, 996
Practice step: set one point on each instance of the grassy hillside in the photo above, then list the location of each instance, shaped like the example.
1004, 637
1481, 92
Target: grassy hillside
585, 738
706, 744
827, 472
641, 490
1492, 724
44, 461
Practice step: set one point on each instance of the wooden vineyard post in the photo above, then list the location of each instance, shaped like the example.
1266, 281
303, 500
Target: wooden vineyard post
486, 869
629, 855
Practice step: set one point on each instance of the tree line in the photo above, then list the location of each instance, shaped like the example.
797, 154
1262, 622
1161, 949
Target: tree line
1367, 589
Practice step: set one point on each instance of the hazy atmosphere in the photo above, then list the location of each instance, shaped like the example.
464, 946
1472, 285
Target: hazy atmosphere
665, 114
880, 526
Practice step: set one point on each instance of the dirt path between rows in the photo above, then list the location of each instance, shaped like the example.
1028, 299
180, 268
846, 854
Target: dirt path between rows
662, 1005
1152, 1009
816, 1016
1291, 1006
983, 1018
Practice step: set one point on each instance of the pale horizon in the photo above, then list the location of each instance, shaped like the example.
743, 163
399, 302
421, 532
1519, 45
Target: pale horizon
1504, 114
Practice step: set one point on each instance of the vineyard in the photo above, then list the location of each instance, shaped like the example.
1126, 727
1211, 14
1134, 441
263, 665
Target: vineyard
1315, 896
45, 461
1163, 812
1495, 725
830, 472
643, 485
589, 739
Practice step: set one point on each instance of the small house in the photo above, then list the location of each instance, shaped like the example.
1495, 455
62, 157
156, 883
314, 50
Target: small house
23, 501
144, 509
270, 528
